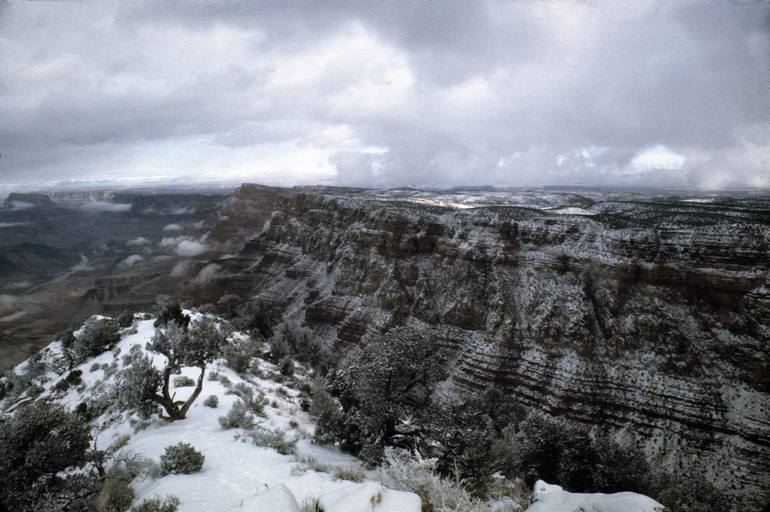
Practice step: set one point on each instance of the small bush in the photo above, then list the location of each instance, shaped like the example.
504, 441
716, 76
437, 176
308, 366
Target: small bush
213, 375
72, 379
315, 465
68, 493
127, 465
119, 443
291, 338
287, 367
348, 473
310, 505
228, 305
404, 472
15, 384
62, 385
239, 353
211, 401
207, 309
255, 404
242, 390
97, 337
167, 504
238, 417
181, 458
126, 319
183, 381
275, 439
117, 495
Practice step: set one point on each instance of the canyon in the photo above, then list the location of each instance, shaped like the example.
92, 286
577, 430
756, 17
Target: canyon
645, 316
642, 315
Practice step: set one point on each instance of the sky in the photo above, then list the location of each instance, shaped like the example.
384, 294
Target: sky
428, 93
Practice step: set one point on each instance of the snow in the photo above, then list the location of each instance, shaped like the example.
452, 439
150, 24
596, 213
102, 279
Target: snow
367, 497
572, 210
552, 498
542, 487
277, 499
237, 475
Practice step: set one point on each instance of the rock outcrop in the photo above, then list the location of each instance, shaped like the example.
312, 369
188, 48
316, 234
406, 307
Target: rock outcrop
648, 317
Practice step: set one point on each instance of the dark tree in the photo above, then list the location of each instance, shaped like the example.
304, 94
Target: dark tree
170, 311
126, 318
228, 305
387, 382
38, 441
257, 317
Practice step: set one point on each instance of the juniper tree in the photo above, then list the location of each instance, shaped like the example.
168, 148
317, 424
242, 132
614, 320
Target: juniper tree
170, 311
291, 338
38, 441
97, 336
197, 346
392, 378
258, 318
228, 305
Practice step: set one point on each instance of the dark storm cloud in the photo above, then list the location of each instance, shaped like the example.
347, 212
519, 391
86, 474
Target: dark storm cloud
668, 92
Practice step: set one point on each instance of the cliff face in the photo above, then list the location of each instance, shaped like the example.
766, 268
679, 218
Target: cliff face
648, 318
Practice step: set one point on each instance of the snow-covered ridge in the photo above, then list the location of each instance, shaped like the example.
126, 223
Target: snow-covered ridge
237, 475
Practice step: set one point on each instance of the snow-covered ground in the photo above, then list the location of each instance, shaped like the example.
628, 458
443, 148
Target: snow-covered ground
238, 475
552, 498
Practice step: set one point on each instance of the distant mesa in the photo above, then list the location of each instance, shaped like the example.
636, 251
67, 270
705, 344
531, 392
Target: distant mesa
22, 200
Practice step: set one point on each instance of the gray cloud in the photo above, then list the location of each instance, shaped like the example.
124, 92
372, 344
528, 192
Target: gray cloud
660, 92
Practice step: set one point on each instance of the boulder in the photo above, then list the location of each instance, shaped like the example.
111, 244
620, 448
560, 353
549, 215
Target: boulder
276, 499
552, 498
369, 497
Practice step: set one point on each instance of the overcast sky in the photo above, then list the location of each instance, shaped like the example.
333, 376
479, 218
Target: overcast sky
387, 93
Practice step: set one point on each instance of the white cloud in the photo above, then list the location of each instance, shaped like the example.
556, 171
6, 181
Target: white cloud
383, 93
21, 205
184, 246
7, 303
138, 241
130, 261
171, 242
105, 206
181, 268
173, 227
658, 157
207, 273
83, 266
190, 248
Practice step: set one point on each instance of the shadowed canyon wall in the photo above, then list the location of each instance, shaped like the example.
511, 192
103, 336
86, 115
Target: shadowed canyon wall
647, 318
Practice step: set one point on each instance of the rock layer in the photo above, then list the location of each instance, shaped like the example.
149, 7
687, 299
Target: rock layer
649, 318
